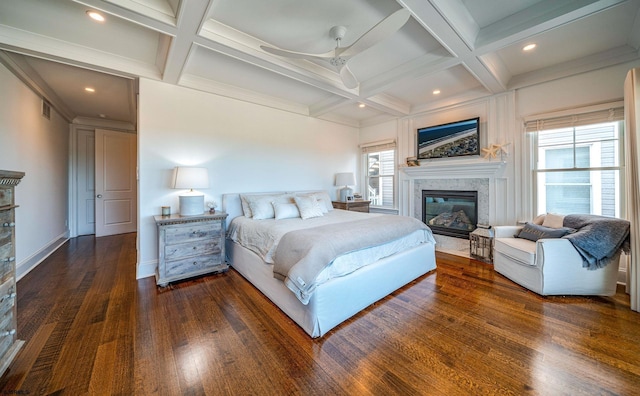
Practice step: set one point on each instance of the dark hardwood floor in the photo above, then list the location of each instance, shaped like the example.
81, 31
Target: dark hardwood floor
91, 328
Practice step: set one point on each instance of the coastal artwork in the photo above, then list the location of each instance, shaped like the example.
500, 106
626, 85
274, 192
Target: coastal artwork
449, 140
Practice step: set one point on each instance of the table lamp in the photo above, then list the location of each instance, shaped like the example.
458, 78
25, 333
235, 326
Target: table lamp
345, 179
191, 202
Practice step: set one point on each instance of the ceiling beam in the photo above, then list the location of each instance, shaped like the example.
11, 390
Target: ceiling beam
191, 16
137, 13
541, 17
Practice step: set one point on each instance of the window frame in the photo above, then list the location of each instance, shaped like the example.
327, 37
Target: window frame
535, 172
370, 148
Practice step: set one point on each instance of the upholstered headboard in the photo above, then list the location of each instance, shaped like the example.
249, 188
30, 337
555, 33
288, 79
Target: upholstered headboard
232, 205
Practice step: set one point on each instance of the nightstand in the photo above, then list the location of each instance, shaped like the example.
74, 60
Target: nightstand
189, 246
356, 206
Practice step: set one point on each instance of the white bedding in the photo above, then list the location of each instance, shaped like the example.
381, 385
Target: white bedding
262, 237
338, 298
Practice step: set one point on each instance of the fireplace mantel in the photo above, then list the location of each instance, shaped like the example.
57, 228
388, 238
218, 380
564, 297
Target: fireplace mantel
462, 169
456, 174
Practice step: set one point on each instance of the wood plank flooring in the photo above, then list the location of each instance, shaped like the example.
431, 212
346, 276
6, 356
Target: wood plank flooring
91, 328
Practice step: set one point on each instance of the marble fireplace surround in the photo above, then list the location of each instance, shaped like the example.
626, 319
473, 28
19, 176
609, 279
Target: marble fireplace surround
479, 175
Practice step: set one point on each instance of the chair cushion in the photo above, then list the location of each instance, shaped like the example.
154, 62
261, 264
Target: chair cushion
521, 250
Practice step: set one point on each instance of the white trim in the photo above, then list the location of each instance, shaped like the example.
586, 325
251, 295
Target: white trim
32, 261
146, 269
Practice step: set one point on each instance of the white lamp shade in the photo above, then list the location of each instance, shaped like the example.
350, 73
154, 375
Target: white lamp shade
192, 202
188, 177
345, 179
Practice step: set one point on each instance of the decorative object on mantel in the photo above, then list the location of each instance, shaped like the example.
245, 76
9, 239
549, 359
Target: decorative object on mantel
489, 152
191, 202
502, 150
212, 206
412, 161
481, 243
493, 150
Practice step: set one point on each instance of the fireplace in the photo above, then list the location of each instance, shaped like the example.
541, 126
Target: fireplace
450, 213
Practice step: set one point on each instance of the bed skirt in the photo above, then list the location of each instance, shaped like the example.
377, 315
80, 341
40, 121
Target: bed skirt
340, 298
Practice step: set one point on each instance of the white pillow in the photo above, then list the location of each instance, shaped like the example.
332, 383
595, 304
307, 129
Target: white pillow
553, 220
259, 205
323, 198
261, 208
285, 210
308, 206
246, 210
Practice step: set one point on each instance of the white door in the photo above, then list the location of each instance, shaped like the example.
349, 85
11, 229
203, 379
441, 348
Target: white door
116, 189
85, 168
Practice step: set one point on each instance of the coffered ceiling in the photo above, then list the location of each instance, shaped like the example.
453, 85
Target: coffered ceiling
465, 49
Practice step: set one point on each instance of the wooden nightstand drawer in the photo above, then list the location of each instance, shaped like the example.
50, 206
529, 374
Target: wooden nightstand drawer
192, 232
190, 266
198, 248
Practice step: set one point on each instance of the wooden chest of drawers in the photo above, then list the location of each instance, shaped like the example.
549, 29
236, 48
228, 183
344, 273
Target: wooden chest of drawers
189, 246
9, 343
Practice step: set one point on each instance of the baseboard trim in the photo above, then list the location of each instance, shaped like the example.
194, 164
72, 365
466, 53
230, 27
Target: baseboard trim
147, 269
32, 261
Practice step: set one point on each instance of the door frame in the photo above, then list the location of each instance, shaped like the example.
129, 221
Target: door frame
73, 168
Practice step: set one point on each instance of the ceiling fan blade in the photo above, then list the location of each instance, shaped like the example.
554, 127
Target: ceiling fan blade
296, 55
348, 79
379, 32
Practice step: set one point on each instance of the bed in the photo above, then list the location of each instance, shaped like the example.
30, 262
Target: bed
354, 279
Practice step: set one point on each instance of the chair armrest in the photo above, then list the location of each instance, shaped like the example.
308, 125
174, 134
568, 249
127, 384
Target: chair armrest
505, 231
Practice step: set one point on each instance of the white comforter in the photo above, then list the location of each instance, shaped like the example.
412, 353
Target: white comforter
262, 237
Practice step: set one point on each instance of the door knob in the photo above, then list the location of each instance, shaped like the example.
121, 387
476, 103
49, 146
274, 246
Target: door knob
99, 195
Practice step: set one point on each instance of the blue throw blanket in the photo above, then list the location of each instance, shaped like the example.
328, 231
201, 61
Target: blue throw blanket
597, 238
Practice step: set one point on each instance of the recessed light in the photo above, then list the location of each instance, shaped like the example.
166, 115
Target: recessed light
102, 115
89, 89
361, 105
529, 47
96, 16
436, 92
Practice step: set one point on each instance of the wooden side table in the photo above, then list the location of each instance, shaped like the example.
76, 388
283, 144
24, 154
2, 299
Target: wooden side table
356, 206
189, 246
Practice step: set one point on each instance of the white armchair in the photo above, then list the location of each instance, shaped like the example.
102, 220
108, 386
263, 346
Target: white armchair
550, 266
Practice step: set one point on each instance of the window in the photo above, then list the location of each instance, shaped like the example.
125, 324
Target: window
578, 167
380, 174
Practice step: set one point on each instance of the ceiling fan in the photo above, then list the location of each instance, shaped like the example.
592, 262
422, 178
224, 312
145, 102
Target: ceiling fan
340, 56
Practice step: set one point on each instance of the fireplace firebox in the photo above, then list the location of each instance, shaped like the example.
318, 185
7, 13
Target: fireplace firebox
450, 213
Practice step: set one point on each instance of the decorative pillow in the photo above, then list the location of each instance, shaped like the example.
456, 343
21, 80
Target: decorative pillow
246, 210
539, 220
308, 206
261, 207
285, 210
553, 220
322, 197
534, 232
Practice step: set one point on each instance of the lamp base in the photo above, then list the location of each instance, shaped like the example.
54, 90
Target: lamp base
346, 194
191, 204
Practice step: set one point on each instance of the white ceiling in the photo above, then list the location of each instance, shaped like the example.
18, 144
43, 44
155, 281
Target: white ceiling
465, 48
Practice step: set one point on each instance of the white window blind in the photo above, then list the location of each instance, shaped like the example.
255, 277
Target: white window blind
574, 120
375, 147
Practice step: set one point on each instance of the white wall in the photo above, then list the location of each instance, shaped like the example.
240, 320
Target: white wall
246, 147
39, 147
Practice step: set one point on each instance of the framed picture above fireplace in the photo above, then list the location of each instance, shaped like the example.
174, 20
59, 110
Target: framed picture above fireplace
455, 139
